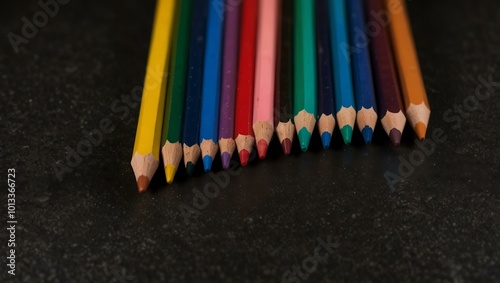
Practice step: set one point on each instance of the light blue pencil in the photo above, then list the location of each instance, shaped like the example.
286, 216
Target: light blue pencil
211, 85
344, 94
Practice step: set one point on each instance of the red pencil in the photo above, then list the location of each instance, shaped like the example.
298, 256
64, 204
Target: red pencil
243, 133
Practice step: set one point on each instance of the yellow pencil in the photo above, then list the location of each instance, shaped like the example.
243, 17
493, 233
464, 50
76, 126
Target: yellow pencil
412, 84
145, 159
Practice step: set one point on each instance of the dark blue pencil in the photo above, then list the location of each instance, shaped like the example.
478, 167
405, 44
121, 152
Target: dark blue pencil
326, 106
212, 69
362, 71
191, 126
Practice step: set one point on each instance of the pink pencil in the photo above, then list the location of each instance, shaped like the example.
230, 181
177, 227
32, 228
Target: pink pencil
263, 107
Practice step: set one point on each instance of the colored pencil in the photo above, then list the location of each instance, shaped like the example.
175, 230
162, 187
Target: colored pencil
191, 122
344, 94
362, 71
146, 154
390, 106
263, 106
229, 71
326, 105
210, 101
305, 84
412, 84
284, 79
174, 102
243, 132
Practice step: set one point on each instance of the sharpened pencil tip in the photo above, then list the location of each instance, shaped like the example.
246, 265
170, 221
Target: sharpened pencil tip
170, 173
326, 138
262, 147
207, 163
420, 130
142, 184
190, 168
346, 132
226, 160
287, 146
395, 137
304, 139
367, 134
244, 156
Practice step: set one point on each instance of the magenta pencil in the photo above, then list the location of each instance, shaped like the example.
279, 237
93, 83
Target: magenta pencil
228, 91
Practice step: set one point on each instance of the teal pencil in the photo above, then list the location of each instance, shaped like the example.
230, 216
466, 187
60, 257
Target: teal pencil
305, 84
344, 94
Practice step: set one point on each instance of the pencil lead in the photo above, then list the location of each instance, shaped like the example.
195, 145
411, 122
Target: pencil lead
395, 137
346, 132
226, 159
304, 139
207, 163
367, 134
287, 146
420, 130
142, 184
262, 147
170, 173
326, 138
190, 168
244, 156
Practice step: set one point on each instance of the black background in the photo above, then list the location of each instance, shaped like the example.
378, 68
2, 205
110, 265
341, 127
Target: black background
441, 224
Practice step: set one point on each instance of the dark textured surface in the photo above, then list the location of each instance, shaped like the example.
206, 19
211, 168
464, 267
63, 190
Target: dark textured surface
442, 224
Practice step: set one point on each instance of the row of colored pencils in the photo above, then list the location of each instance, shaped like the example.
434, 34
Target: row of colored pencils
227, 76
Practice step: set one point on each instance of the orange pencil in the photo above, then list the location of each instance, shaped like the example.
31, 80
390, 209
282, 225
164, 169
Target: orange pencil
412, 84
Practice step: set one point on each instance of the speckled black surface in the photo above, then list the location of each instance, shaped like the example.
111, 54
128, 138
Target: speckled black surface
442, 224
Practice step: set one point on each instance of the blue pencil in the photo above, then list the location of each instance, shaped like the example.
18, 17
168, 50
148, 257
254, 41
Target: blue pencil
191, 123
211, 85
344, 94
362, 71
326, 105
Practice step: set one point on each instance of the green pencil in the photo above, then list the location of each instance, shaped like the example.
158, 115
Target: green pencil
305, 100
174, 104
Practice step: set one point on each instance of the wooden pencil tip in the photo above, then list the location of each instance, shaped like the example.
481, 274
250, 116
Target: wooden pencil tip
207, 163
304, 138
142, 184
346, 132
244, 156
144, 167
226, 160
420, 129
262, 147
287, 146
326, 139
190, 167
367, 133
170, 173
395, 137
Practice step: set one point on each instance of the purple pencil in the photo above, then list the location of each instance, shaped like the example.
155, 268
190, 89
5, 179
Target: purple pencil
229, 73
